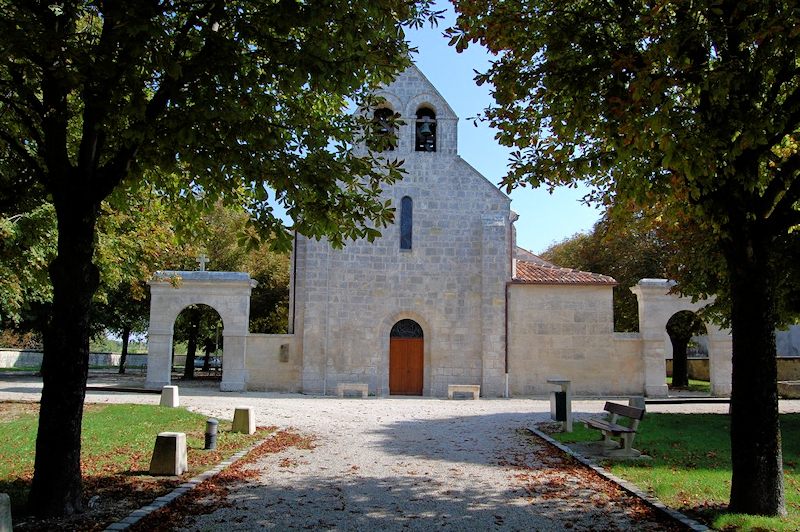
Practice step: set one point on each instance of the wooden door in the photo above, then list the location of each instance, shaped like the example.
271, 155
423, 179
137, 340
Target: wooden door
406, 366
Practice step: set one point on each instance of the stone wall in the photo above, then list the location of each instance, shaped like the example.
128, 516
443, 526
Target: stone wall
274, 363
566, 331
29, 358
789, 368
697, 368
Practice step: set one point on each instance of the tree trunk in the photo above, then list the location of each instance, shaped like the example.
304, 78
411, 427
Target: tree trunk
680, 365
123, 357
191, 348
680, 328
56, 489
208, 347
757, 480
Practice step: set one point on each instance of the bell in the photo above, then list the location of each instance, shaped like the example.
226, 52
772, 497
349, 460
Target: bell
425, 130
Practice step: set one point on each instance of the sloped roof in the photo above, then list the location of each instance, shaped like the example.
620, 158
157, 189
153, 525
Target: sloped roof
532, 269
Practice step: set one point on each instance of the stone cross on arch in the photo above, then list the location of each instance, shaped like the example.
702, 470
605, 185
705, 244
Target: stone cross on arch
202, 260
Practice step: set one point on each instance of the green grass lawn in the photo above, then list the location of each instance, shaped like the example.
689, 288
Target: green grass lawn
694, 385
691, 472
117, 444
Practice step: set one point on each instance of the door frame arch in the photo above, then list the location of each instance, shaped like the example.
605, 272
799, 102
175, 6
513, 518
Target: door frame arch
385, 332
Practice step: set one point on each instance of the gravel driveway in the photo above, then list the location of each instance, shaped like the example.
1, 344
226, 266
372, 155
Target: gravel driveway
416, 464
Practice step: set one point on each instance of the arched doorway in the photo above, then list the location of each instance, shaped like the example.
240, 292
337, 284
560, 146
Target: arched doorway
197, 343
687, 332
406, 358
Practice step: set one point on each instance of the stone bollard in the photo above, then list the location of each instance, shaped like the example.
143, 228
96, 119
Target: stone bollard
244, 420
5, 513
169, 396
212, 426
169, 454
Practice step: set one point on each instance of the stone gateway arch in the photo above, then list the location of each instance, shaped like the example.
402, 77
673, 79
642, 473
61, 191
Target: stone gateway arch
226, 292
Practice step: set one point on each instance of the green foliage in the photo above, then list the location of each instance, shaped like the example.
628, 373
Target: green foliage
245, 101
690, 470
27, 245
691, 106
231, 244
637, 98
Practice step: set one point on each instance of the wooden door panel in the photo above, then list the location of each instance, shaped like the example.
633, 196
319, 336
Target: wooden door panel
406, 365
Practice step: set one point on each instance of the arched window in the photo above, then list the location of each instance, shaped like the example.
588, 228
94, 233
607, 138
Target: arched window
406, 329
382, 122
406, 222
425, 130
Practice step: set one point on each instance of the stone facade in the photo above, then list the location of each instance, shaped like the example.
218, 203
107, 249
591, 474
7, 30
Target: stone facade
451, 282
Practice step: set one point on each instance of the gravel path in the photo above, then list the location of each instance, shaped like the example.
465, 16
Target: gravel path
403, 464
416, 464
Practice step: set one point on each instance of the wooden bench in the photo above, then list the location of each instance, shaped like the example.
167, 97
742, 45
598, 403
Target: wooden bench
361, 387
610, 428
474, 389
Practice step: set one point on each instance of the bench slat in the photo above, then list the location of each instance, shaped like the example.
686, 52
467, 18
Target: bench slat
601, 424
624, 410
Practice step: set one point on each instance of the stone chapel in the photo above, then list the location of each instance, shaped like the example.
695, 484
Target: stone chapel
443, 297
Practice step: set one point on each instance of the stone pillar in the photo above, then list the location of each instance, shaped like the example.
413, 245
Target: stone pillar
170, 396
234, 363
159, 360
244, 420
495, 272
311, 307
655, 309
5, 513
169, 454
720, 361
159, 340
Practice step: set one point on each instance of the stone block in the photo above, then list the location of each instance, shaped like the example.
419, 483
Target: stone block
473, 389
360, 387
169, 454
5, 513
244, 420
169, 396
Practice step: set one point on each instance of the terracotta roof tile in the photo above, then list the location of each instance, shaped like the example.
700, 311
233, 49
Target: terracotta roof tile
543, 272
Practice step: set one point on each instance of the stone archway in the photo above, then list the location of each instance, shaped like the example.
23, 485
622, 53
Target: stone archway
656, 307
226, 292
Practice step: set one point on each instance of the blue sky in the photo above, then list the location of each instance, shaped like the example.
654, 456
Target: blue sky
544, 218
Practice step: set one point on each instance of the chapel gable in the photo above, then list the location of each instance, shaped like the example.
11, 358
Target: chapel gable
429, 125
